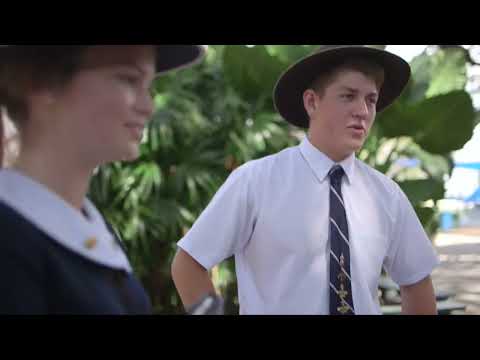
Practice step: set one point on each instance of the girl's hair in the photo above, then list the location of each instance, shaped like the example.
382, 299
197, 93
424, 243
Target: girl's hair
24, 69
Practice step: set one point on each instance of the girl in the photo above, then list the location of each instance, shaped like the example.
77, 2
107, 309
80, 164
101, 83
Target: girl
76, 108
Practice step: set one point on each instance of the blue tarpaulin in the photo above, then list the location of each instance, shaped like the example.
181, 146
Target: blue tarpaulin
471, 165
475, 197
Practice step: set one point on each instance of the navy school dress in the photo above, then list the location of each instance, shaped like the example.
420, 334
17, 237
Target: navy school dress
45, 268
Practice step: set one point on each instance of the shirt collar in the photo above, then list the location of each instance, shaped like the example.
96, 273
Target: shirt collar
321, 164
89, 238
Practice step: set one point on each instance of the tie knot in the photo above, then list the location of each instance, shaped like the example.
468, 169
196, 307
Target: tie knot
336, 174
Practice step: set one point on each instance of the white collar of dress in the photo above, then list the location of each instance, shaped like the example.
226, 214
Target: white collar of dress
89, 238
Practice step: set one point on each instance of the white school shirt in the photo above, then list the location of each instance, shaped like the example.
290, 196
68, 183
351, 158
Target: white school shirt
88, 238
272, 214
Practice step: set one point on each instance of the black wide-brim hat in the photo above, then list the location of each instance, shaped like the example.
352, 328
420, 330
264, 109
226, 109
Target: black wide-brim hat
288, 93
170, 57
174, 57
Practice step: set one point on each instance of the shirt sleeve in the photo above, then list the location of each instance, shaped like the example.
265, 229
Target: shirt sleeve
411, 256
226, 225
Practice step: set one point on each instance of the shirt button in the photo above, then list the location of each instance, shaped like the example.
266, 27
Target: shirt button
91, 243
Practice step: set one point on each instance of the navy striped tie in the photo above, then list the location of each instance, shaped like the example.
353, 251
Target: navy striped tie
341, 301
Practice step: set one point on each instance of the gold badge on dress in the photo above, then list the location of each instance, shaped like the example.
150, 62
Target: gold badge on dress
91, 243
